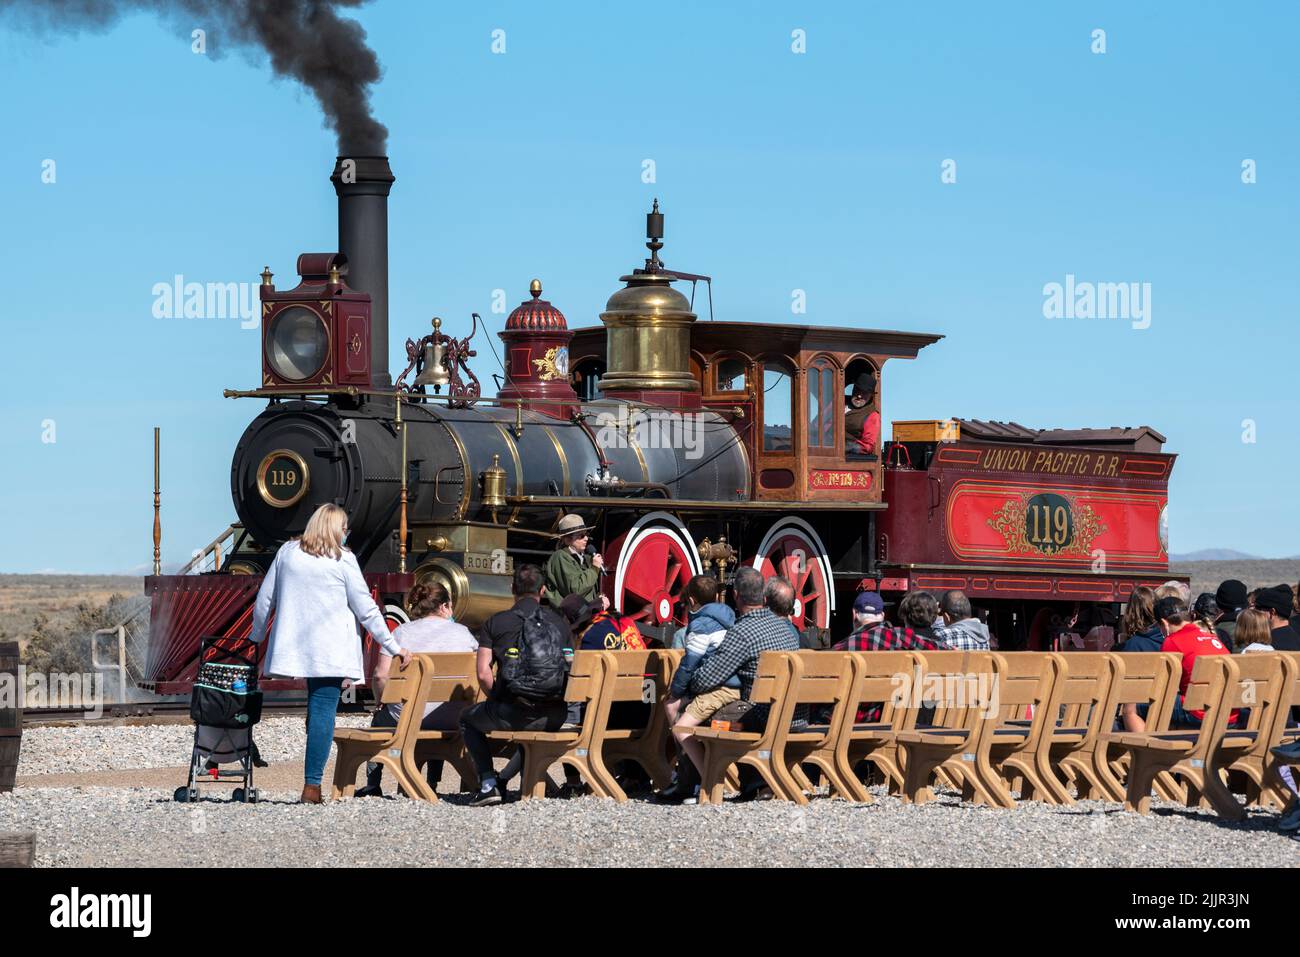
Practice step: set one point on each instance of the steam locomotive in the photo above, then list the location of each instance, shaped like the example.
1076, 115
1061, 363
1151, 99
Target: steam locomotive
691, 446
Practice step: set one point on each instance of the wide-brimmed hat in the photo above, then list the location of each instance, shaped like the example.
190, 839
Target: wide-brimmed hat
865, 384
571, 523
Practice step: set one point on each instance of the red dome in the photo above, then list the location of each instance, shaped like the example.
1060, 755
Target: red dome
536, 314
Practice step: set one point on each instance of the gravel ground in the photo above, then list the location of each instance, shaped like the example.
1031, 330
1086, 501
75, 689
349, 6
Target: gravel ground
98, 747
134, 827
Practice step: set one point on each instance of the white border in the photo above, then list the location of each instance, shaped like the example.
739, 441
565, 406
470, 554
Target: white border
644, 529
792, 521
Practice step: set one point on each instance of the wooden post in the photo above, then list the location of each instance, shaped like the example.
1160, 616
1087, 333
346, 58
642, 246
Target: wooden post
11, 718
157, 516
17, 850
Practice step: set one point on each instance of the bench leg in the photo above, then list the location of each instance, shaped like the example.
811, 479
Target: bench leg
854, 789
1219, 797
600, 773
1142, 771
713, 774
921, 764
346, 766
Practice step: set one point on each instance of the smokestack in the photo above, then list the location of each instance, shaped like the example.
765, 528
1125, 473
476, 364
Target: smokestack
362, 184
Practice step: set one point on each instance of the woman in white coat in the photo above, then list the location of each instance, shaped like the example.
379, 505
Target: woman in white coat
317, 592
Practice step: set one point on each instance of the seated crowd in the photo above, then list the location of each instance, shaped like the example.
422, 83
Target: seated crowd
721, 649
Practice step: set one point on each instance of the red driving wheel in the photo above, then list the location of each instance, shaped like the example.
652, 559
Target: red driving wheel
792, 555
651, 568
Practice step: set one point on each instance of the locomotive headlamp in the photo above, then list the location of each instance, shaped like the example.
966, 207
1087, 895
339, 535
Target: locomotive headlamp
297, 343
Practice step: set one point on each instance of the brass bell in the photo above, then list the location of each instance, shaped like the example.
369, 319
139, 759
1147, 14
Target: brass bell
435, 368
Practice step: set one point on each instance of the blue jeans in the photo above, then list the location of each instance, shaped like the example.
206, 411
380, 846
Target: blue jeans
322, 705
1181, 717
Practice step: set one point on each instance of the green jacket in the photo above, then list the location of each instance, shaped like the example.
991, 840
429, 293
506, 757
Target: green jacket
567, 574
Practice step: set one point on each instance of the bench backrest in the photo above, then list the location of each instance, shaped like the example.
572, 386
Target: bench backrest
1145, 677
449, 676
1256, 682
407, 685
954, 681
403, 681
1026, 680
827, 677
644, 675
586, 677
1208, 691
1081, 692
778, 672
884, 678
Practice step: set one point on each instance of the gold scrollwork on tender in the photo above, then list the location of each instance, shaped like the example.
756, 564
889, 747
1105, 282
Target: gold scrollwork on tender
1012, 522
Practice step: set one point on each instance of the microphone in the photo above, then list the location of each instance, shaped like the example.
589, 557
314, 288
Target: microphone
590, 552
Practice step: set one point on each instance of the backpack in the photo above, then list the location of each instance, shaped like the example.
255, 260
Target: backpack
537, 667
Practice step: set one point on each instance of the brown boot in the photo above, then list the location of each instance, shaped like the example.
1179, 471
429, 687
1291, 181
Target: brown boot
310, 794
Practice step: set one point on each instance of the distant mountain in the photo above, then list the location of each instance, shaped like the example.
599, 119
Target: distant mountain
1214, 555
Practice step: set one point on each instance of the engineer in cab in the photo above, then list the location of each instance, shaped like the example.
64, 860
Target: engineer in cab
862, 418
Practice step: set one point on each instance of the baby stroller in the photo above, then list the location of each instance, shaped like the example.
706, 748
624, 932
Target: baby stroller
225, 705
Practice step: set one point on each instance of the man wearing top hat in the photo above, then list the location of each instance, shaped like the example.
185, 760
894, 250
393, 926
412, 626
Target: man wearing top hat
861, 419
569, 571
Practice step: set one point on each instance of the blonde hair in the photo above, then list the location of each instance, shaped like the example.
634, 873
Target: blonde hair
1252, 629
323, 536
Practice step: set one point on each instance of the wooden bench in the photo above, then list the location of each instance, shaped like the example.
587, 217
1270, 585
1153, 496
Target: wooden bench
955, 744
1258, 766
1144, 678
636, 675
777, 671
448, 677
825, 678
1081, 697
879, 678
356, 746
1016, 749
1219, 685
572, 747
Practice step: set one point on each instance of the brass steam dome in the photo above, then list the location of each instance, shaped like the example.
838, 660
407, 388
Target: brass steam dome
648, 327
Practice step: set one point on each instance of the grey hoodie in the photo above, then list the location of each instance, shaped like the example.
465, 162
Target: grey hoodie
969, 634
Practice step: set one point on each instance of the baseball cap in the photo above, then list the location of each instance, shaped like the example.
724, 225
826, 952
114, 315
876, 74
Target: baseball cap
868, 602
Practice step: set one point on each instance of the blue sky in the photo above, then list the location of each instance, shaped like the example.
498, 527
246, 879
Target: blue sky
777, 171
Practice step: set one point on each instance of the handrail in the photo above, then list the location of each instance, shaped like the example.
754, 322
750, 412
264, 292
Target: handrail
212, 547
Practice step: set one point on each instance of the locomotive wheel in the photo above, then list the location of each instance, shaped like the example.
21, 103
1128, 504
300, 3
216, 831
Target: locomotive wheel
653, 563
792, 550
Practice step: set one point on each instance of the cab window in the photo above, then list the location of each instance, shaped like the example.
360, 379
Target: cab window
778, 403
731, 375
823, 410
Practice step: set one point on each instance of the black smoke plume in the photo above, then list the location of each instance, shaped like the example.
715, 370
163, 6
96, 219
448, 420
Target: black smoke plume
304, 39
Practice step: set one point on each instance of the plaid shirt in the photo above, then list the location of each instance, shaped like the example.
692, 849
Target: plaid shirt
958, 639
888, 638
753, 633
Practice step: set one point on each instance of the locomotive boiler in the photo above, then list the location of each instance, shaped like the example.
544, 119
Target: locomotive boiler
691, 446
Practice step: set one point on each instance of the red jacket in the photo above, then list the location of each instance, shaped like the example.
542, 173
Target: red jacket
1190, 642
